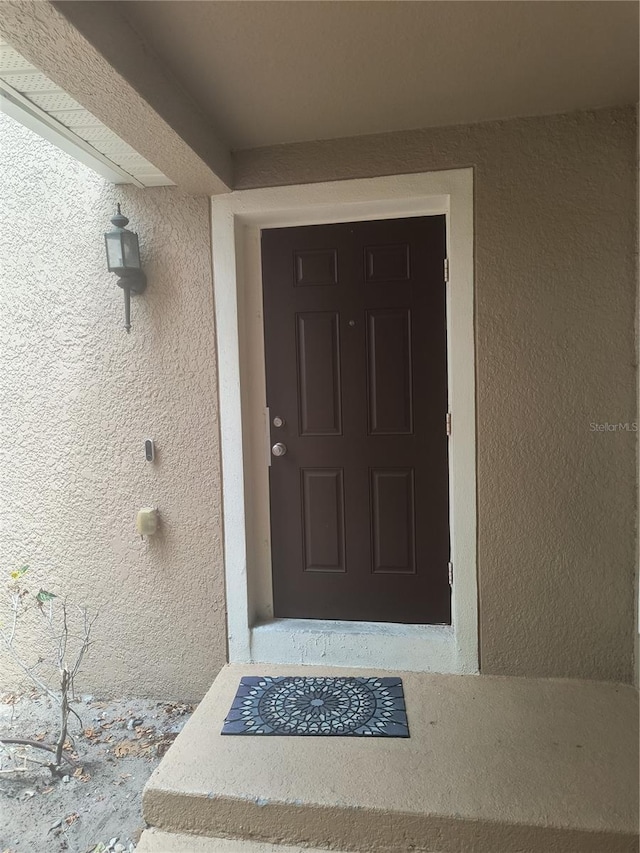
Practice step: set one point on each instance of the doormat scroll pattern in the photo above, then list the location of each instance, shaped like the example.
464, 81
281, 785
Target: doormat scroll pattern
292, 705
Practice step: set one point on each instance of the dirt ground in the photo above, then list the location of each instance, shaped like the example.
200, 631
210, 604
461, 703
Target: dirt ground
97, 807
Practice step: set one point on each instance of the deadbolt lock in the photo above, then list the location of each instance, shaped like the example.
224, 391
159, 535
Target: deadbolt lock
278, 422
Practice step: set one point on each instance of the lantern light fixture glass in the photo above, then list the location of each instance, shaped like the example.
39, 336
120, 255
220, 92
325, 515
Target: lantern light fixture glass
123, 258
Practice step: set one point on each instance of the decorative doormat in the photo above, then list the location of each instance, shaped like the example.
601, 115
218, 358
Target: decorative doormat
350, 707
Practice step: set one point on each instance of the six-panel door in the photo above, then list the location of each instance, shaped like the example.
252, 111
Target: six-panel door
355, 340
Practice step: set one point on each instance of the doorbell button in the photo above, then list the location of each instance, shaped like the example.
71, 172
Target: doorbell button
149, 450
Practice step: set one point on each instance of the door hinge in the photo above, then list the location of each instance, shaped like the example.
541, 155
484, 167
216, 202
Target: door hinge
450, 568
448, 423
446, 269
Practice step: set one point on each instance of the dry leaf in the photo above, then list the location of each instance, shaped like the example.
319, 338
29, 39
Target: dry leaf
125, 747
46, 790
178, 709
131, 747
164, 743
72, 818
79, 773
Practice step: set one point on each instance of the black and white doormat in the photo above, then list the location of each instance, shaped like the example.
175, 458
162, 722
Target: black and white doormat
291, 705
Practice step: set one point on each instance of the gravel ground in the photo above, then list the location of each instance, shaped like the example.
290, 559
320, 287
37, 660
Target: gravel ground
97, 807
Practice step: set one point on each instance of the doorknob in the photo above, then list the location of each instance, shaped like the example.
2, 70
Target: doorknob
279, 449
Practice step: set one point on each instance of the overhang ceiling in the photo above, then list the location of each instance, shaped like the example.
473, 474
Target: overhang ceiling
266, 73
34, 100
185, 84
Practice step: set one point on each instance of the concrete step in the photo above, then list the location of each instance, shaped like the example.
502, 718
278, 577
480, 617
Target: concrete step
156, 841
493, 765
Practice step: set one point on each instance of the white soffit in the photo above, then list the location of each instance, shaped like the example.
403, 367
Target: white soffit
32, 99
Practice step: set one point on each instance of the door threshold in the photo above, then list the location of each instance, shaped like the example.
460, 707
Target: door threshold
366, 645
397, 629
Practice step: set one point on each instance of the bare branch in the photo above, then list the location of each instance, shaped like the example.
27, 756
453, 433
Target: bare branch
64, 715
27, 671
17, 741
77, 716
14, 620
22, 741
65, 634
58, 629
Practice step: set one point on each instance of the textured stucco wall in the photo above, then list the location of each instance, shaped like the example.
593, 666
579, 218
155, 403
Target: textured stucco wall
555, 225
78, 397
555, 239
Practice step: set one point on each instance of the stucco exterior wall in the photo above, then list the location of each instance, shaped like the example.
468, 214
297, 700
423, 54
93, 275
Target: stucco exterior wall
555, 220
78, 398
555, 226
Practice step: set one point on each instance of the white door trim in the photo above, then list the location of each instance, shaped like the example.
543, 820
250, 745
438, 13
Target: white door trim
253, 634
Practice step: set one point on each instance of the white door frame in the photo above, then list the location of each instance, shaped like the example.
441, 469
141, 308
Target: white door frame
253, 634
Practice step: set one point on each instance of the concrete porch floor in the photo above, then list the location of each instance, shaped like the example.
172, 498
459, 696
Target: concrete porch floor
494, 765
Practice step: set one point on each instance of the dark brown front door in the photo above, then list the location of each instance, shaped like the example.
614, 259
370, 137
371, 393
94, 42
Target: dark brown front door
355, 340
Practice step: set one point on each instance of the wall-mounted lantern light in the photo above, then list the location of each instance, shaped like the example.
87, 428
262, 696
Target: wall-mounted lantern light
123, 258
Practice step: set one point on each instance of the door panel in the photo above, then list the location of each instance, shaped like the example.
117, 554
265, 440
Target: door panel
316, 268
393, 519
323, 519
355, 344
389, 384
319, 374
387, 263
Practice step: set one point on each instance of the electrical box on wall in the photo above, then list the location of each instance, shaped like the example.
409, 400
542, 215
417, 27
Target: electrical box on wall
147, 521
